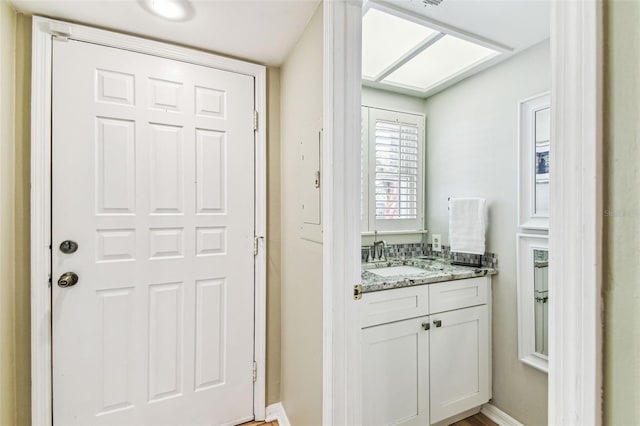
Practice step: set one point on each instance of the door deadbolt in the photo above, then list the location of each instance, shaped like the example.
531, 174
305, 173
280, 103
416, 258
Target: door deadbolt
68, 246
68, 279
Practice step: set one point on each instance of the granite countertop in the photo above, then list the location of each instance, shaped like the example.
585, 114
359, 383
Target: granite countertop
435, 271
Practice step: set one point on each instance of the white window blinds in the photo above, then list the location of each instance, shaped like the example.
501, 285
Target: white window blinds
396, 175
393, 179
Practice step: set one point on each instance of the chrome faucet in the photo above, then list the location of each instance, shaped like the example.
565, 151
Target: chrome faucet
377, 250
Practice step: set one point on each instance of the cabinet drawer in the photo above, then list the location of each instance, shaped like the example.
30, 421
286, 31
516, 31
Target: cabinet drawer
450, 295
380, 307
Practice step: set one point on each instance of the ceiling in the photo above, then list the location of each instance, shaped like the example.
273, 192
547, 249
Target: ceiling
262, 31
430, 48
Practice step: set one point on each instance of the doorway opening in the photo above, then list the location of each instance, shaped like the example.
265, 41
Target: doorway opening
575, 307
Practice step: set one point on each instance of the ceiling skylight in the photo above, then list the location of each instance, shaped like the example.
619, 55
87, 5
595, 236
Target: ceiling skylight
386, 38
398, 52
442, 61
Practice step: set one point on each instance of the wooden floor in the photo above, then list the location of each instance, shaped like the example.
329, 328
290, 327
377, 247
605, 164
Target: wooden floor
476, 420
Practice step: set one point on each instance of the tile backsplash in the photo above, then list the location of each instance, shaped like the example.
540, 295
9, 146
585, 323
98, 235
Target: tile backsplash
394, 251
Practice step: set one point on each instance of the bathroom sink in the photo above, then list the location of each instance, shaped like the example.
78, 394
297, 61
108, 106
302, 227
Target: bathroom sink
398, 270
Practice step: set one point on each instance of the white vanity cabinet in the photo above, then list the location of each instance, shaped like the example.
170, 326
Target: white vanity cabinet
395, 383
459, 361
425, 352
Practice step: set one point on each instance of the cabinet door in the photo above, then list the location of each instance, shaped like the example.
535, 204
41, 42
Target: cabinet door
395, 374
459, 369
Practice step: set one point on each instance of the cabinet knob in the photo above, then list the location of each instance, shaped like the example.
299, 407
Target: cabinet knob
437, 323
426, 325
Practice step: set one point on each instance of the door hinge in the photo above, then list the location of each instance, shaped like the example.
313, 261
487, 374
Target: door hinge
255, 120
59, 30
256, 244
60, 36
255, 371
357, 291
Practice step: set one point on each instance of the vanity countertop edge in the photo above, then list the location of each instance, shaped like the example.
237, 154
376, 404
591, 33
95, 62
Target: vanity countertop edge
436, 271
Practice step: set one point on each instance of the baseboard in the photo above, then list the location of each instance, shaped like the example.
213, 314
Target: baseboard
276, 412
499, 416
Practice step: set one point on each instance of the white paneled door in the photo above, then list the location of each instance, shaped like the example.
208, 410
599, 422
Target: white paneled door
153, 178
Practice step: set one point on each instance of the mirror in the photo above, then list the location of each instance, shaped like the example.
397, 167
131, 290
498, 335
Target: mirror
534, 162
543, 135
533, 300
541, 299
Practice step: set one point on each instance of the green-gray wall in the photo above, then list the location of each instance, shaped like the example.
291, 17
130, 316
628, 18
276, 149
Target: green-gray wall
622, 213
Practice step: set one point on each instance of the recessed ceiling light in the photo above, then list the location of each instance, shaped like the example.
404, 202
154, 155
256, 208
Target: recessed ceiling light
445, 59
385, 38
173, 10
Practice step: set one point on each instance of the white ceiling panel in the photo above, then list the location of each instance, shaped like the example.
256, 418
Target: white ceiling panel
476, 34
448, 57
385, 38
515, 23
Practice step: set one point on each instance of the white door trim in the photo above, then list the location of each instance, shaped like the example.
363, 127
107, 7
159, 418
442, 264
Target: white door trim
575, 377
575, 314
43, 29
341, 394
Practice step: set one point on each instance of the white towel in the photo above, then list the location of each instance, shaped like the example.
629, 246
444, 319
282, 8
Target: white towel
467, 224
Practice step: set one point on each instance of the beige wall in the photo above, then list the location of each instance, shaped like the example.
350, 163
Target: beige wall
15, 81
472, 137
22, 220
273, 236
7, 214
301, 310
622, 214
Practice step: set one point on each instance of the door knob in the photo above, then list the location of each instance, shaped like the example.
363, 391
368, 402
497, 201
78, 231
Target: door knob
437, 323
68, 279
426, 326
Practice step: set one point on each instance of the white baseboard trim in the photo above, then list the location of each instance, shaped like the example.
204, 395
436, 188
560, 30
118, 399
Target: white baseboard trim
498, 416
276, 412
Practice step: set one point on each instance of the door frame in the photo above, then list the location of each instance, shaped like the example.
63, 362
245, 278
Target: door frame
44, 30
575, 367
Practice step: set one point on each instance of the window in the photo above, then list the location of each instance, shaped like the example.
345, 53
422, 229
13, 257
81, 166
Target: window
392, 171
